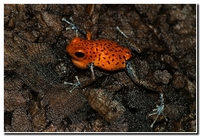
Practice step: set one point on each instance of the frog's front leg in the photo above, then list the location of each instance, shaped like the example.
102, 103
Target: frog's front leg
73, 26
91, 67
131, 71
82, 82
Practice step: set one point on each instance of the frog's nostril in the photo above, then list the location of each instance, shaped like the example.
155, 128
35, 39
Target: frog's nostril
79, 54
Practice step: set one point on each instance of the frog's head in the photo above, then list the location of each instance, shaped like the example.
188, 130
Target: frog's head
78, 53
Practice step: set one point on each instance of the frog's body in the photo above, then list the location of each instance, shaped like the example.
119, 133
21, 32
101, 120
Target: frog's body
105, 54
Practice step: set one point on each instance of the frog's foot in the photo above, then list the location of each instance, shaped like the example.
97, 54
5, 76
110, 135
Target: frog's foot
73, 84
158, 111
73, 26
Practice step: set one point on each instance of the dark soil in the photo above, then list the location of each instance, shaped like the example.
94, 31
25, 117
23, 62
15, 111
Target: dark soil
36, 66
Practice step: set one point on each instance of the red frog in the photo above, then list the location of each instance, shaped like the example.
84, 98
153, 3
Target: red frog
107, 55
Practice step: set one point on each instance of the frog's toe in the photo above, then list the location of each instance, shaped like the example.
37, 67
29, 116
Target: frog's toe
73, 84
158, 110
122, 32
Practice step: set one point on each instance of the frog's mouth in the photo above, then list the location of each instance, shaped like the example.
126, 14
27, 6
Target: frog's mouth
79, 64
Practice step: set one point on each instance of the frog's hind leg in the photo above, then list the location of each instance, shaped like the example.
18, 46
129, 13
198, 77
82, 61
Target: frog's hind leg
122, 32
130, 69
158, 111
127, 42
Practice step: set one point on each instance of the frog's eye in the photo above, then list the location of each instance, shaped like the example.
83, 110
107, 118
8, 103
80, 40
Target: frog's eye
79, 54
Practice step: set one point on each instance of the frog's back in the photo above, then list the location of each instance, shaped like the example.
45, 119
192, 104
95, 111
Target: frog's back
109, 55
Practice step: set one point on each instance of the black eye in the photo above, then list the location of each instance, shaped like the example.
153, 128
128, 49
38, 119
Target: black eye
79, 54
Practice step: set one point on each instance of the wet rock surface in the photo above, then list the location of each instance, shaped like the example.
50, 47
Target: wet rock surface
36, 66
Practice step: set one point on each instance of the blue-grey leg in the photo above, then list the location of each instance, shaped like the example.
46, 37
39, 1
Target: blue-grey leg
73, 26
91, 67
128, 42
130, 69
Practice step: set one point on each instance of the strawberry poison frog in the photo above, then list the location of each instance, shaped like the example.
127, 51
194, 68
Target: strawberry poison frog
107, 55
